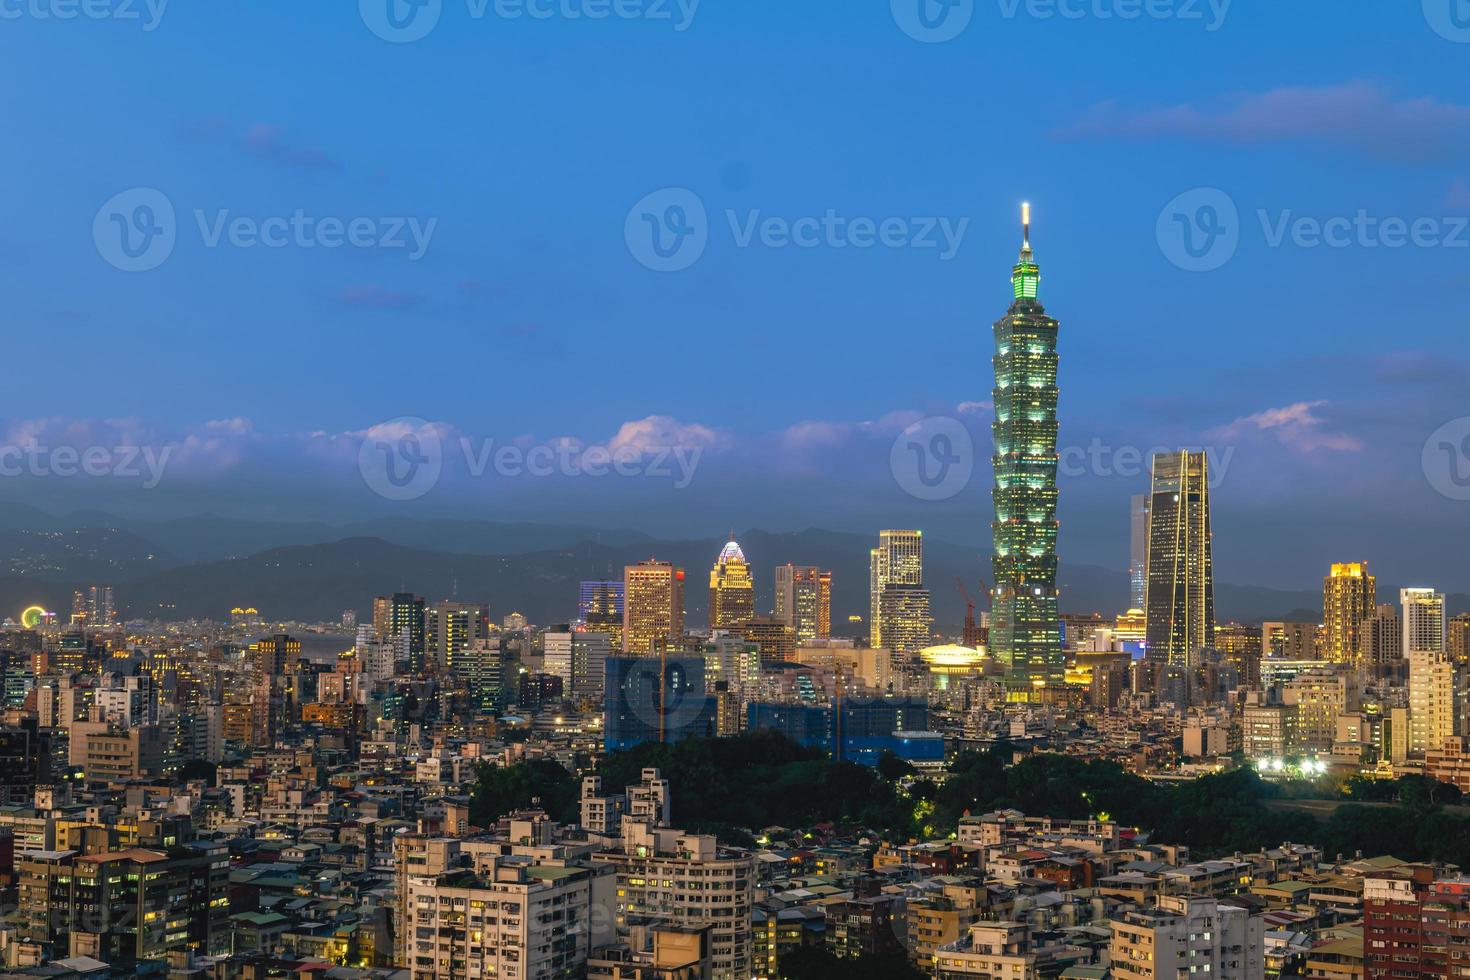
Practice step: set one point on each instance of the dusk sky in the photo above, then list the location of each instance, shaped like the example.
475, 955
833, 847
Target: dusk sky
522, 152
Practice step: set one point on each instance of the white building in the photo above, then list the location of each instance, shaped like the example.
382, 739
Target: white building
1186, 935
1423, 619
669, 876
1435, 697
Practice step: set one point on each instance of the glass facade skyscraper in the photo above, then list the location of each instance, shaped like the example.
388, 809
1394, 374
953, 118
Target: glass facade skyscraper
1025, 627
1181, 566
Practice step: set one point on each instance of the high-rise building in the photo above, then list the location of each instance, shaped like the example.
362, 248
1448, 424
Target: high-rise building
449, 629
1189, 935
731, 590
655, 699
1424, 621
1025, 630
402, 613
600, 609
1457, 639
896, 569
1138, 551
1349, 595
1381, 637
275, 656
804, 601
686, 879
1241, 646
653, 607
1436, 699
1181, 569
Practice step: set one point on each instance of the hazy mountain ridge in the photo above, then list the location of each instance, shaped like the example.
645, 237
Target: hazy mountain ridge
531, 568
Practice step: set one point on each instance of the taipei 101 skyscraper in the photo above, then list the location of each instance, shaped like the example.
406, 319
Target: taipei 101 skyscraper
1025, 626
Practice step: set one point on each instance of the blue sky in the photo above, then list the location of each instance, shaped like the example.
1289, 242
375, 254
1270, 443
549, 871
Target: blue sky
528, 319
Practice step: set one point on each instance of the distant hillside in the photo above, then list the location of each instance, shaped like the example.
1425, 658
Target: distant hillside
204, 566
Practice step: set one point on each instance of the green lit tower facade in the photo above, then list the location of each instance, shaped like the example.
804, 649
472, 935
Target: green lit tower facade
1025, 626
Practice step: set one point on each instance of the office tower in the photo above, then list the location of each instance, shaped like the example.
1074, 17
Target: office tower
1025, 632
275, 657
402, 613
1381, 637
484, 672
600, 608
1138, 551
655, 699
1349, 595
514, 623
1241, 646
556, 655
653, 607
731, 590
1457, 639
1291, 641
897, 563
1181, 571
804, 601
775, 639
1320, 697
1435, 700
1424, 622
590, 651
450, 627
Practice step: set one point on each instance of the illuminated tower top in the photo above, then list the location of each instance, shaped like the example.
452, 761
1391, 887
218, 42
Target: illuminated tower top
1026, 275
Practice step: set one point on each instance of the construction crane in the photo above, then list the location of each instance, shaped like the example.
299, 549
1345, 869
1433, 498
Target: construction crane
973, 635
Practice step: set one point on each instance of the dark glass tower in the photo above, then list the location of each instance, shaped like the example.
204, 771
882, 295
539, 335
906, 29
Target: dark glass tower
1025, 629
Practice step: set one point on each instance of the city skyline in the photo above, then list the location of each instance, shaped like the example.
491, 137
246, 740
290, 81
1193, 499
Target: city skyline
1306, 462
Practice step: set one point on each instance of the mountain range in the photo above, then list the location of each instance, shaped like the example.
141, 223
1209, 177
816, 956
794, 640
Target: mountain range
202, 566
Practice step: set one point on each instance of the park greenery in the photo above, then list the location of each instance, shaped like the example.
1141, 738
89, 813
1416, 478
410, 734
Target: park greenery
740, 787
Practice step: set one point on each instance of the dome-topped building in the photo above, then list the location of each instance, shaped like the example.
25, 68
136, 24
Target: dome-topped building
731, 589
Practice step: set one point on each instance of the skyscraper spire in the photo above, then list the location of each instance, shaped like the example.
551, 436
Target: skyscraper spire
1025, 275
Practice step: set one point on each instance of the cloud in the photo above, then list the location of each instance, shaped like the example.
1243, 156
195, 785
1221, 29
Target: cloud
1359, 116
374, 297
658, 433
262, 141
269, 142
1296, 426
